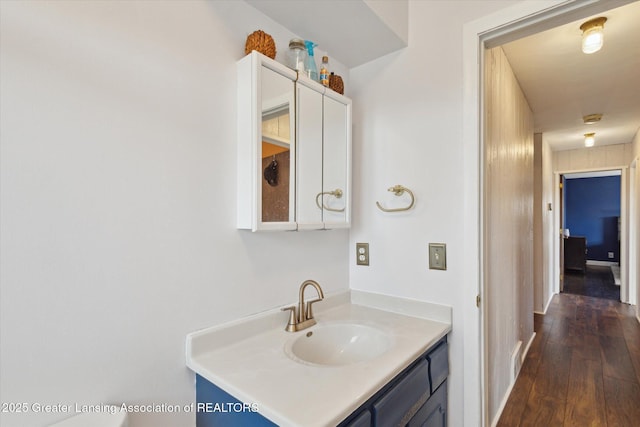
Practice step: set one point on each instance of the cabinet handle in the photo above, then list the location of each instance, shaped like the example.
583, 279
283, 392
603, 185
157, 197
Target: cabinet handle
337, 193
398, 190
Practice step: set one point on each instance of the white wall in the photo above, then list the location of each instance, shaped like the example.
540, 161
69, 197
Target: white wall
549, 232
583, 159
118, 202
544, 235
408, 119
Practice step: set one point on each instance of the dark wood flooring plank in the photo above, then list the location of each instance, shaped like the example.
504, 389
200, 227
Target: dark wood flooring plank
635, 359
587, 315
553, 373
561, 331
622, 402
577, 333
609, 325
616, 361
631, 332
585, 394
542, 323
626, 310
534, 355
512, 413
587, 346
543, 411
546, 403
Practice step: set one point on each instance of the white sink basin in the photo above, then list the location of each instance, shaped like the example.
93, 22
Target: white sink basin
338, 344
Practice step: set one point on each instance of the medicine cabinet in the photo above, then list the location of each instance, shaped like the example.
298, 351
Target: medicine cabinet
294, 150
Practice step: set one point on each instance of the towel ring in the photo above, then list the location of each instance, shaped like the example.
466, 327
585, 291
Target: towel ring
398, 190
337, 193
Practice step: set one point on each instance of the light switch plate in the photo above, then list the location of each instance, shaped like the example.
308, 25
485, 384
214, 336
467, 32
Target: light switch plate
437, 256
362, 253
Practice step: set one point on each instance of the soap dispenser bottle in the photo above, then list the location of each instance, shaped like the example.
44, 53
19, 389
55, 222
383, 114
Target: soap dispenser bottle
310, 67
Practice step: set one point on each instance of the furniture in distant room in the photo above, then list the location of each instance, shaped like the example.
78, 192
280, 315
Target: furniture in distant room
575, 253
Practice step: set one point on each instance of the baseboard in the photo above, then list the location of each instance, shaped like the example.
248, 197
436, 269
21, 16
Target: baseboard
546, 306
615, 270
503, 404
601, 263
523, 356
526, 349
549, 301
516, 361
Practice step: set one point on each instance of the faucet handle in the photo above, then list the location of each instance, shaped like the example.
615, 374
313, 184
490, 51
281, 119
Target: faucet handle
309, 311
293, 318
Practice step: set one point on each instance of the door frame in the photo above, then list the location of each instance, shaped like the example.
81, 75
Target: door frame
518, 20
632, 232
624, 232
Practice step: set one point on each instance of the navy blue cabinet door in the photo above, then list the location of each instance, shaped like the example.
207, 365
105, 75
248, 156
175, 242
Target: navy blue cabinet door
434, 412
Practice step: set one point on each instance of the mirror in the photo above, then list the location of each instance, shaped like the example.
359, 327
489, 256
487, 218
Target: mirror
278, 127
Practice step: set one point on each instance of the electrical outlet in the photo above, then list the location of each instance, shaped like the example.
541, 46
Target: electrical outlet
611, 256
437, 256
362, 253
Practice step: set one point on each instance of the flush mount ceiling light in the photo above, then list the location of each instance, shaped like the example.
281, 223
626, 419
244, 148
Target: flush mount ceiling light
589, 139
590, 119
593, 34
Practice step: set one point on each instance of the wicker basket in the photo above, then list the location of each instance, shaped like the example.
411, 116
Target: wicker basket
262, 42
336, 83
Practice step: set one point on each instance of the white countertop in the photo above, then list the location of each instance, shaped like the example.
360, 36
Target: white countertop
246, 358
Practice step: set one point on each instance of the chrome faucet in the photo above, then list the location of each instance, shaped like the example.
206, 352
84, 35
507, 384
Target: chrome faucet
301, 317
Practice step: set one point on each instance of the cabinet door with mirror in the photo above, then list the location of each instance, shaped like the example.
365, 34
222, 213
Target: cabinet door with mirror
266, 145
323, 141
336, 161
309, 156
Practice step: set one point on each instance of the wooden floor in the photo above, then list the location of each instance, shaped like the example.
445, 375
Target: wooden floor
597, 281
583, 367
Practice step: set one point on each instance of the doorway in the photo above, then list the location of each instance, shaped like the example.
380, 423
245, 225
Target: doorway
591, 218
518, 21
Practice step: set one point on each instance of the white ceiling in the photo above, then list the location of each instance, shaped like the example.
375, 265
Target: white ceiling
562, 84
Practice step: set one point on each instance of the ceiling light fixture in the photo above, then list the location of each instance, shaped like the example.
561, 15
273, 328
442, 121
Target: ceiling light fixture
589, 139
593, 34
590, 119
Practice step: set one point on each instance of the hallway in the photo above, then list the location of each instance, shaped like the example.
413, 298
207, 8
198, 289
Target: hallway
583, 367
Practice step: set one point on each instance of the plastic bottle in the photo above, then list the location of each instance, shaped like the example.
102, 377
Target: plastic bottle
324, 71
310, 68
297, 55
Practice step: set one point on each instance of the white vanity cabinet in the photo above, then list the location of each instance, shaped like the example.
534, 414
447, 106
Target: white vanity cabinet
294, 150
